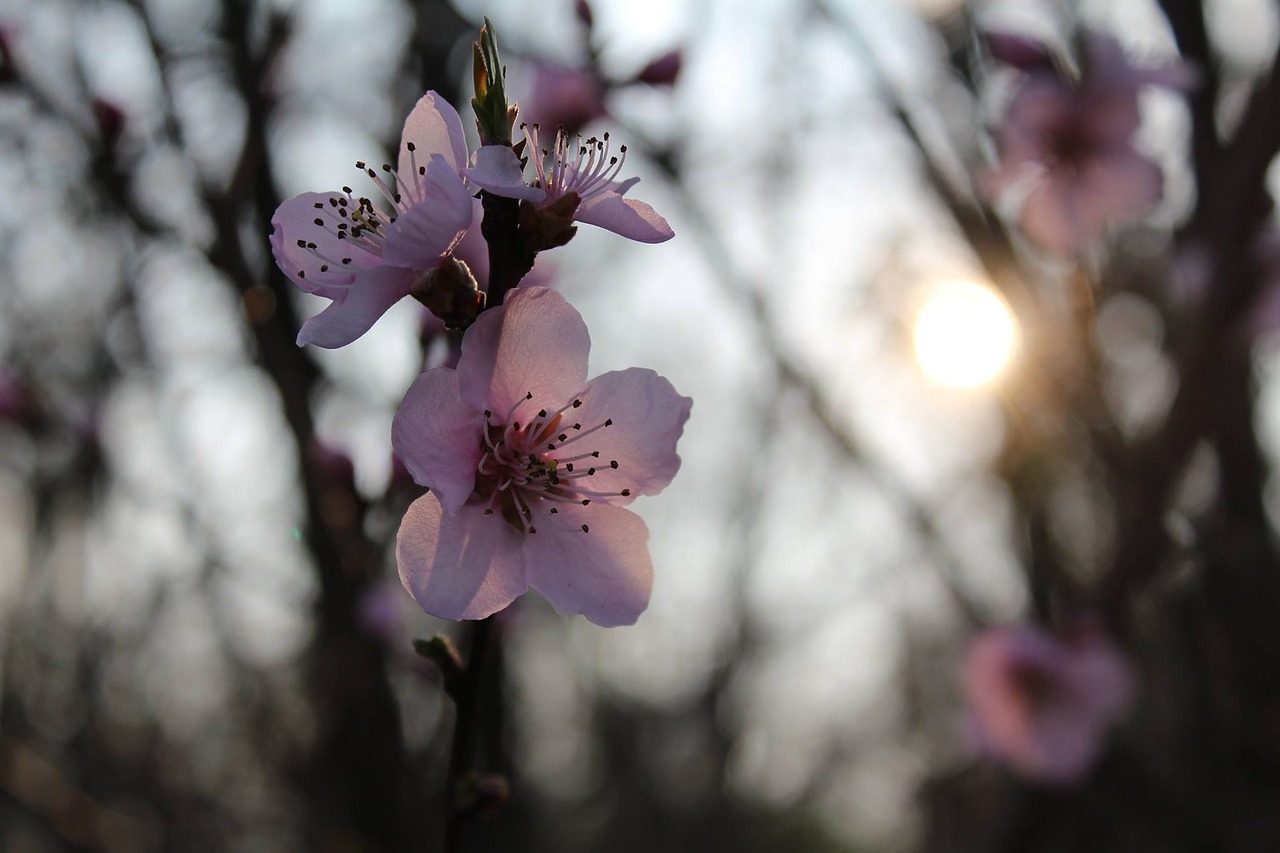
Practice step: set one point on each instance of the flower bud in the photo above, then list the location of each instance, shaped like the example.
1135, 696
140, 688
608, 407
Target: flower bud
663, 70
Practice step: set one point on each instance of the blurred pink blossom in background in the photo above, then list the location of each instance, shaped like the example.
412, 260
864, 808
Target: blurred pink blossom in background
1042, 704
1067, 164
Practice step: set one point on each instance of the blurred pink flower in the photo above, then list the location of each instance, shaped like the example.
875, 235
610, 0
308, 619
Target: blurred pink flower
347, 249
563, 96
528, 467
572, 182
17, 403
1043, 705
1067, 160
378, 610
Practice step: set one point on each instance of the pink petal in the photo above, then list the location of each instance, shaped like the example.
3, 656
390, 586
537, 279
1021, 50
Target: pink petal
1050, 217
1067, 741
498, 170
1121, 184
464, 566
628, 217
437, 436
647, 418
434, 128
294, 220
423, 234
357, 308
605, 573
534, 343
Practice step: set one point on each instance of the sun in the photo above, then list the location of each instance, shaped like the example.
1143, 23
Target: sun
965, 335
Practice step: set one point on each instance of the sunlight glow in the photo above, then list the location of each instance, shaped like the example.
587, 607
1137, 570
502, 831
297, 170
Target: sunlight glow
965, 335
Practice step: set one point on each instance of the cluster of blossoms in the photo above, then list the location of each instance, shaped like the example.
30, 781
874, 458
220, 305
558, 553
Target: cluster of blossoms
1067, 162
528, 465
1043, 705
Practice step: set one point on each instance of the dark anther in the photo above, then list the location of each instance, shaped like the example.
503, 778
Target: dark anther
302, 244
542, 413
577, 426
568, 466
586, 529
324, 268
577, 403
561, 437
346, 260
596, 454
613, 463
591, 472
586, 501
318, 205
608, 422
554, 511
626, 493
302, 273
410, 146
318, 221
488, 512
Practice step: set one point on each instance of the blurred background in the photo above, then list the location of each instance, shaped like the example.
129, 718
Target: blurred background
909, 424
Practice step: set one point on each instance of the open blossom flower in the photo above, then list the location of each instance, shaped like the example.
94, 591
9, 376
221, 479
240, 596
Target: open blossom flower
574, 181
1067, 161
347, 249
529, 466
1044, 705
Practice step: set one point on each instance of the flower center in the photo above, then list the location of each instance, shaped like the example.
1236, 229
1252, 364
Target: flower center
355, 219
586, 168
531, 468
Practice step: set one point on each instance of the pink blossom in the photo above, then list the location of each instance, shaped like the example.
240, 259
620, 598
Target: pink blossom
563, 96
572, 182
1067, 161
347, 249
529, 466
1043, 705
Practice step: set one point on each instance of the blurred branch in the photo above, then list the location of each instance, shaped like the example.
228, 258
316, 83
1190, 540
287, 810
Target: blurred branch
1233, 207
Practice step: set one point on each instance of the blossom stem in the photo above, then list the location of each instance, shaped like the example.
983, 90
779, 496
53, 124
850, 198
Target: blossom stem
510, 256
463, 802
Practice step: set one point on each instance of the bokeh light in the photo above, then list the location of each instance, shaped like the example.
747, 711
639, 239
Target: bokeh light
965, 335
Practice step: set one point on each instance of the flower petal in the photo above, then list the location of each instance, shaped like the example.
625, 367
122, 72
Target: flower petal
434, 128
356, 308
498, 170
1120, 183
604, 573
423, 234
646, 418
294, 220
464, 566
628, 217
437, 436
534, 343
